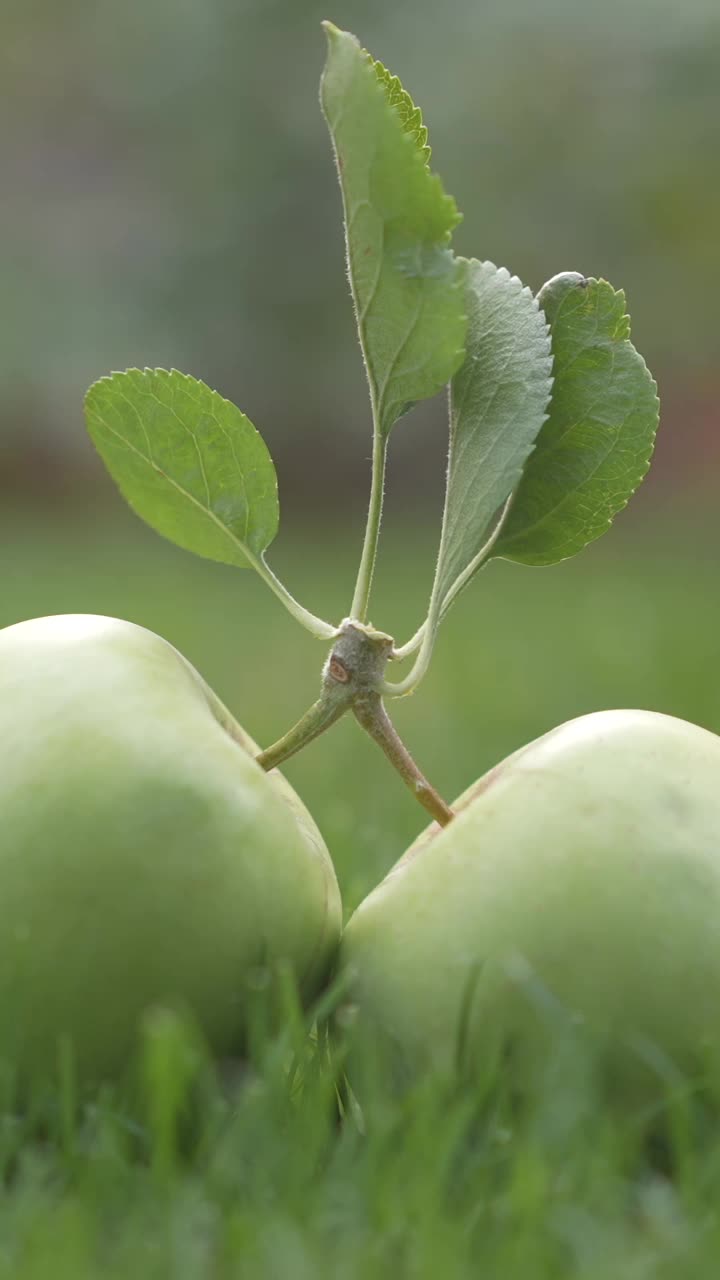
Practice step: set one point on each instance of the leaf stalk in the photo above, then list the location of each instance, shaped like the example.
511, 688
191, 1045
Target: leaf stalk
363, 586
318, 627
424, 638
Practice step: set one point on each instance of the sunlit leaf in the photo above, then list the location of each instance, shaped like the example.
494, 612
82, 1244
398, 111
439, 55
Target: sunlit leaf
187, 461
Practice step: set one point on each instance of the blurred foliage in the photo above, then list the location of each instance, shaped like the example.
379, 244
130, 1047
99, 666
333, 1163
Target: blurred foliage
169, 196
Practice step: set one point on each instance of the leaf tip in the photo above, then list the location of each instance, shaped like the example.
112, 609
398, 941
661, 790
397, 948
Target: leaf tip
555, 290
334, 33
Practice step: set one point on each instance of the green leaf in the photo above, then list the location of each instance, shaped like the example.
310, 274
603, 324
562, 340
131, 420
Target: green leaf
596, 445
407, 285
499, 400
187, 461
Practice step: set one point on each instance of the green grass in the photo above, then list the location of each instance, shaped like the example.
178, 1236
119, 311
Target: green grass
255, 1176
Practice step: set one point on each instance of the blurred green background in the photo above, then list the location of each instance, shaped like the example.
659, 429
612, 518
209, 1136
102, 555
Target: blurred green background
169, 198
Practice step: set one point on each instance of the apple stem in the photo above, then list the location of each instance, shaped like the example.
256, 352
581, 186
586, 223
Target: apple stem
319, 717
351, 680
371, 714
355, 664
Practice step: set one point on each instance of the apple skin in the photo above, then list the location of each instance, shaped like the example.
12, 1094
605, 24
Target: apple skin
145, 858
576, 894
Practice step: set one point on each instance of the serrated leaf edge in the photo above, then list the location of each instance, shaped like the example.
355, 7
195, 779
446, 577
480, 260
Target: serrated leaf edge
400, 100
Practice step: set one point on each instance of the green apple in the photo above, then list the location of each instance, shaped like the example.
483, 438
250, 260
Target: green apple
576, 891
145, 858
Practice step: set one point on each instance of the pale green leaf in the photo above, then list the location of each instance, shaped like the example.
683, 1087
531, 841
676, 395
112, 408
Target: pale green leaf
407, 285
187, 461
499, 400
595, 447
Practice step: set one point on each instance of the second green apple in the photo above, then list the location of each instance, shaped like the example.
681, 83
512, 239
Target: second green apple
578, 889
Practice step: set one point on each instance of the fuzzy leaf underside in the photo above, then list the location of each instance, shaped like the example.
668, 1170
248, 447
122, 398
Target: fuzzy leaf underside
407, 285
499, 400
596, 445
187, 461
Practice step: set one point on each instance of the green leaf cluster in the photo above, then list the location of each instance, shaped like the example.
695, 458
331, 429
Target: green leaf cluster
552, 411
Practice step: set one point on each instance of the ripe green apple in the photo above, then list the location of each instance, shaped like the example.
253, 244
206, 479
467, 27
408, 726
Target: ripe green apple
576, 892
145, 858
